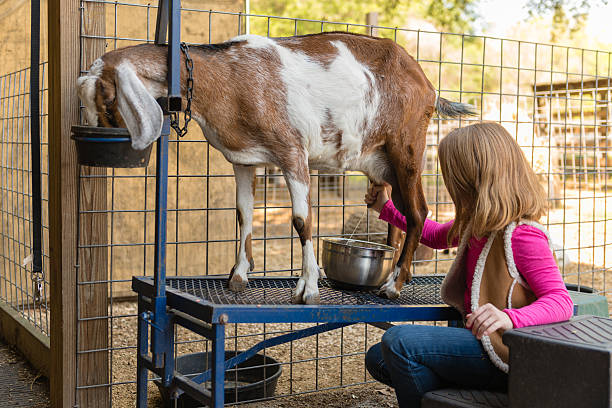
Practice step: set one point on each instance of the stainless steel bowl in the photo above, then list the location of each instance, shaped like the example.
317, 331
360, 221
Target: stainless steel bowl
357, 263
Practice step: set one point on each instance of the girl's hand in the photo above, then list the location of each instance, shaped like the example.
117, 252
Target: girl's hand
377, 196
487, 319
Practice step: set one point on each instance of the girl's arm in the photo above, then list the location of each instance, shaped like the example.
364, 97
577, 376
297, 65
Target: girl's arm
434, 234
536, 264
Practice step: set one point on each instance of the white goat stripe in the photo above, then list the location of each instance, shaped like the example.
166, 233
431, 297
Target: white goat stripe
244, 201
341, 96
310, 267
255, 41
299, 197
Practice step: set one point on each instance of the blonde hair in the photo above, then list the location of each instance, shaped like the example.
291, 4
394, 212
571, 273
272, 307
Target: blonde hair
489, 180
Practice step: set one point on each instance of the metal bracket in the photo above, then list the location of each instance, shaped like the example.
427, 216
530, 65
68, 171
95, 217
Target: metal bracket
170, 104
148, 318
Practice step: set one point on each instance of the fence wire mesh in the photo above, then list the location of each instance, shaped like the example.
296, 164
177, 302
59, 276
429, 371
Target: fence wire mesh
17, 287
554, 100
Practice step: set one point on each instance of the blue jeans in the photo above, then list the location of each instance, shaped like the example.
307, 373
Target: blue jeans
416, 359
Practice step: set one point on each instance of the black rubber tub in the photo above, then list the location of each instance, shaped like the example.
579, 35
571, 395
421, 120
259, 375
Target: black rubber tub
108, 147
581, 288
256, 378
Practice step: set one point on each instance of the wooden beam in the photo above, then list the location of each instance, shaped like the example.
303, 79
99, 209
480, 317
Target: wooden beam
93, 368
601, 83
372, 20
63, 17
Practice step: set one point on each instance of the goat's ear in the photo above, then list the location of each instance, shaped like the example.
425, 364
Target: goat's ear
140, 111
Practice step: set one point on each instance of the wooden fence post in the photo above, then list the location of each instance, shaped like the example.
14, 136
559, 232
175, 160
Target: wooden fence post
63, 177
372, 20
93, 367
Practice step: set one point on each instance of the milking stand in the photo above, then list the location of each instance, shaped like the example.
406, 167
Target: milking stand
204, 305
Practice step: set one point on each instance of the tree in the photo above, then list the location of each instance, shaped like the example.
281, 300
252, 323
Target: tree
568, 16
449, 15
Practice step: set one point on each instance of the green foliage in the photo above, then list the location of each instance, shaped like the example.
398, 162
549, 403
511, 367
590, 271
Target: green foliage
450, 15
568, 16
453, 15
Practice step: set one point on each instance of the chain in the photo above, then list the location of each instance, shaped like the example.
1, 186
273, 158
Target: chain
174, 120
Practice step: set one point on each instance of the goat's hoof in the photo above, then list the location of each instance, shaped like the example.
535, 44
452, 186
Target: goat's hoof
313, 299
237, 283
306, 299
305, 294
389, 292
322, 274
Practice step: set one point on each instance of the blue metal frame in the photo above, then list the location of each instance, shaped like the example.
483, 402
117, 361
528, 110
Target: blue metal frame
161, 308
209, 320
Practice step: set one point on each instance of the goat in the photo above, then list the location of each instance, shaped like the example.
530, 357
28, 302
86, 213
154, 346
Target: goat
329, 101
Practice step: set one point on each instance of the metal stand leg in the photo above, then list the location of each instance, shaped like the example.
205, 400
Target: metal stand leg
218, 365
142, 372
169, 355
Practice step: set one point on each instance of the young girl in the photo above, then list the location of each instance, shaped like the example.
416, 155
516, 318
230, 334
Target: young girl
504, 275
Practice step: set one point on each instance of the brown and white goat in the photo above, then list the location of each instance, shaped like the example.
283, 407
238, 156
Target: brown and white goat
331, 101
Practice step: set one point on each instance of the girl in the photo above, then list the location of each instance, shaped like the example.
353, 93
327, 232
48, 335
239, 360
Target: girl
504, 275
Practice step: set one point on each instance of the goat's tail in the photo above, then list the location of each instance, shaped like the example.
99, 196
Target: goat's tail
448, 109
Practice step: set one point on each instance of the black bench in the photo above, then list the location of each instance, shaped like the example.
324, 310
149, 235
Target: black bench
567, 364
458, 398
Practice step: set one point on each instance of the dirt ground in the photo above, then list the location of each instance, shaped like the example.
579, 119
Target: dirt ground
301, 372
21, 386
362, 396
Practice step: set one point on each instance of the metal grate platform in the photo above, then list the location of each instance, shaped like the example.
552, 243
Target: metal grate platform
421, 290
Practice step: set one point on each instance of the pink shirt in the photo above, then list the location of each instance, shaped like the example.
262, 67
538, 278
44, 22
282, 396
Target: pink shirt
532, 256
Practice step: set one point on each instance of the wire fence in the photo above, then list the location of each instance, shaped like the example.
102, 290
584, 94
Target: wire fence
554, 100
17, 285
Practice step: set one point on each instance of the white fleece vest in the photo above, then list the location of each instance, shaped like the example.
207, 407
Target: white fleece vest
500, 288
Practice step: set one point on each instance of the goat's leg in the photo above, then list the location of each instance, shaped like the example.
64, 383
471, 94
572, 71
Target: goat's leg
415, 214
406, 155
245, 177
395, 236
307, 289
395, 239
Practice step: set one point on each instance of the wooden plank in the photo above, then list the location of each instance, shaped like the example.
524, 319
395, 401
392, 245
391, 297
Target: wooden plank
601, 83
30, 341
372, 20
93, 368
63, 18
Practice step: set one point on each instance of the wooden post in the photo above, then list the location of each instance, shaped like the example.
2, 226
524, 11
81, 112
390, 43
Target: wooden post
93, 367
372, 20
63, 177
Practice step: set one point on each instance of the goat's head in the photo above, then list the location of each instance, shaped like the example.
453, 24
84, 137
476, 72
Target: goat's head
114, 95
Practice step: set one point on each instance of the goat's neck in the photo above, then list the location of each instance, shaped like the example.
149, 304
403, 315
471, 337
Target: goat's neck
154, 76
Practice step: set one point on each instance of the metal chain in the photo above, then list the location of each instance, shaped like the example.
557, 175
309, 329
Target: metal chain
174, 116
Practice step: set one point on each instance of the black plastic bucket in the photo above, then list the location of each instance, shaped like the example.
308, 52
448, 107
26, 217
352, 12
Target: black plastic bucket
581, 288
256, 378
108, 147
